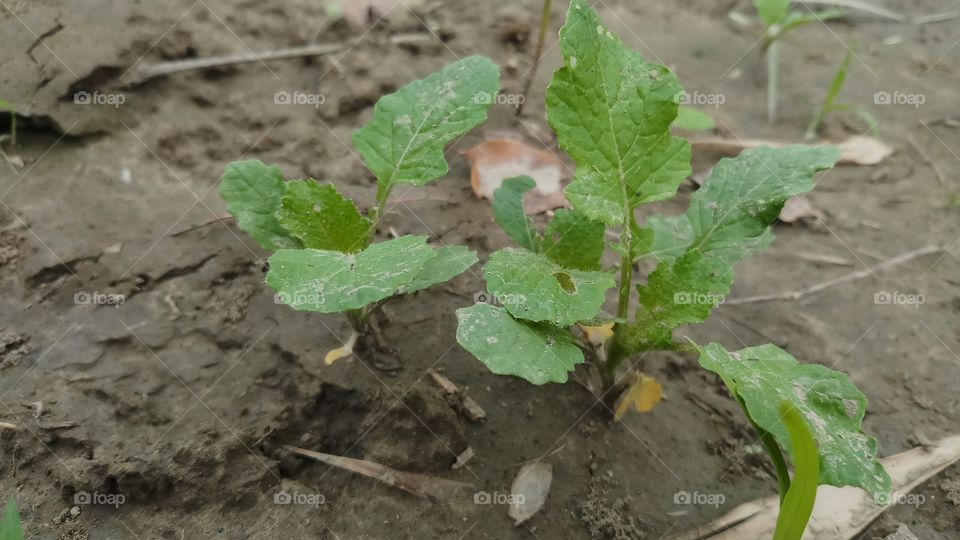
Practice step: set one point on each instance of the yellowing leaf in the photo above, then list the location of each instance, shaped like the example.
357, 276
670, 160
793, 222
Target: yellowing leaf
598, 335
343, 351
642, 395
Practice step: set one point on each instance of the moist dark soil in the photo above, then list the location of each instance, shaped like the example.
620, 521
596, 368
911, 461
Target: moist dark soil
179, 397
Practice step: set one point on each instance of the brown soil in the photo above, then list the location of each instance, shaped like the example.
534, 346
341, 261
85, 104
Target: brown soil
180, 395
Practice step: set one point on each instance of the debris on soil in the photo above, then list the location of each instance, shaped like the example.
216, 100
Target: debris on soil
463, 458
495, 160
902, 533
421, 485
951, 487
859, 150
529, 490
459, 398
605, 518
13, 348
641, 393
800, 209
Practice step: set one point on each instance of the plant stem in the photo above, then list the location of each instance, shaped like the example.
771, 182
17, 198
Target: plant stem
537, 51
772, 80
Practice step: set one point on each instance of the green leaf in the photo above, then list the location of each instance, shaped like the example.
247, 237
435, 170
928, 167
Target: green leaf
534, 288
321, 218
509, 214
330, 281
539, 353
611, 111
451, 261
10, 528
252, 192
691, 119
771, 11
664, 238
573, 240
682, 292
798, 503
761, 377
403, 142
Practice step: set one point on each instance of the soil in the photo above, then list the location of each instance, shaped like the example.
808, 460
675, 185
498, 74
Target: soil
178, 397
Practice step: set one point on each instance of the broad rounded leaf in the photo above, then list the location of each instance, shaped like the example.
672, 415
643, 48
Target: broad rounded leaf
403, 141
534, 288
330, 281
762, 377
451, 261
611, 111
252, 191
573, 240
321, 218
539, 353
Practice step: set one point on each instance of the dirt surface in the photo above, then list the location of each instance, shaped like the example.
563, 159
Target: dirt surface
178, 397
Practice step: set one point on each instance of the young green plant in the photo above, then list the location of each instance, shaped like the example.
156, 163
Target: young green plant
325, 255
830, 101
612, 111
10, 528
778, 19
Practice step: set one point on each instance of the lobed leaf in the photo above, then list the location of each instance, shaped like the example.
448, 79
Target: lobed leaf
509, 214
537, 352
611, 111
403, 142
451, 261
760, 378
534, 288
330, 281
321, 218
252, 191
573, 240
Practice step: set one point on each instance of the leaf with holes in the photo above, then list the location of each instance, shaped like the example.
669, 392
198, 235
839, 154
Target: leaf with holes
762, 377
534, 288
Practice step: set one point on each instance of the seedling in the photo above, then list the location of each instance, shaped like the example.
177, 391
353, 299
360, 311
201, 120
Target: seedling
830, 101
10, 523
325, 257
778, 19
612, 111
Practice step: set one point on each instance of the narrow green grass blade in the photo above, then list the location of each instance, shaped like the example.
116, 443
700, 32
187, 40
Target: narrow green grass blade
798, 504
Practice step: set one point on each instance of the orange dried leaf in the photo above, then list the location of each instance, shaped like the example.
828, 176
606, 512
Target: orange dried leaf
642, 395
495, 160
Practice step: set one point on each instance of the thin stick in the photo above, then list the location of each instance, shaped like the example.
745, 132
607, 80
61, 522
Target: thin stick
936, 17
772, 81
860, 274
538, 50
926, 159
149, 71
421, 485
